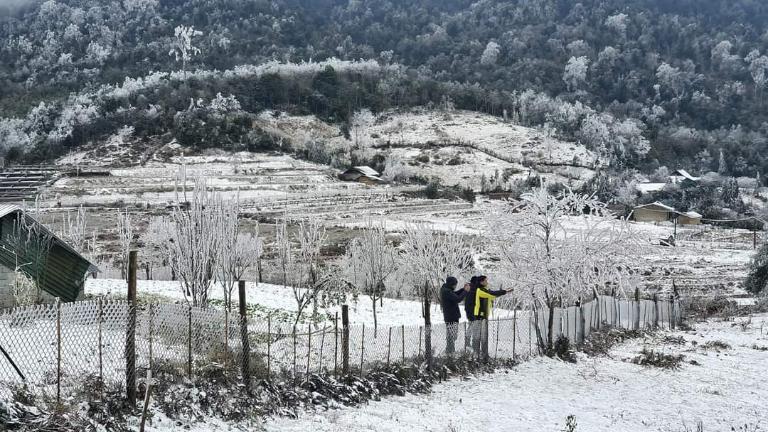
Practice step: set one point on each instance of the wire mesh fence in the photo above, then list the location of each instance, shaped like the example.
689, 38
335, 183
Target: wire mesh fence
55, 350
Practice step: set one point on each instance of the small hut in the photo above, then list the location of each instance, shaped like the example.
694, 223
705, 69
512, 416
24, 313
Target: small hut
362, 174
689, 218
28, 247
653, 212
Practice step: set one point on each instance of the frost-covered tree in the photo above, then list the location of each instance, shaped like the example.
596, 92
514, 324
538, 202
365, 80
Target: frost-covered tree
361, 121
125, 239
195, 233
757, 280
561, 249
575, 74
369, 260
618, 23
238, 251
431, 256
490, 54
722, 165
182, 47
758, 69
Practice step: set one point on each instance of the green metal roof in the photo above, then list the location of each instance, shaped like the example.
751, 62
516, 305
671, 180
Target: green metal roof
61, 273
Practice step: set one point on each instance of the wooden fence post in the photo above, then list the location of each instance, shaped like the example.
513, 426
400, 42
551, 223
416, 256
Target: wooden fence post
672, 312
389, 345
514, 331
151, 333
309, 348
130, 338
269, 348
402, 339
637, 309
345, 339
293, 336
362, 351
246, 348
322, 346
58, 351
496, 350
189, 342
336, 345
582, 324
655, 311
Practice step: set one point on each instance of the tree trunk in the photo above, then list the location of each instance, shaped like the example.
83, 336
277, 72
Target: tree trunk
550, 326
375, 321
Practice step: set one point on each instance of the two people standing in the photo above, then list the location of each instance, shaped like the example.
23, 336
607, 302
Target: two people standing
478, 304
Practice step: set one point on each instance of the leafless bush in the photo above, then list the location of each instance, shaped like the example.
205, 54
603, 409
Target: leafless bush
716, 346
653, 358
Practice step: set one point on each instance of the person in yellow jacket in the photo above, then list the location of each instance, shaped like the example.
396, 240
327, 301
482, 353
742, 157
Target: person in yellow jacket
481, 303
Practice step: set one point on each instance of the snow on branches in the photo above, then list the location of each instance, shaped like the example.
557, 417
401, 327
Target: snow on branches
432, 256
369, 261
560, 249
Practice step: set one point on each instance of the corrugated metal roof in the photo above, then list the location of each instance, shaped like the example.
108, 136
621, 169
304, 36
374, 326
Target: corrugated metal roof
6, 209
370, 172
65, 268
657, 204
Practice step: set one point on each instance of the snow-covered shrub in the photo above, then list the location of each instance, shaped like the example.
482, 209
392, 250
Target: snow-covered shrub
657, 359
758, 271
23, 288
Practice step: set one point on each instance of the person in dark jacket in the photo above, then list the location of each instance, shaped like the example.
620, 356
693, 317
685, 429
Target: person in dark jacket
450, 298
469, 309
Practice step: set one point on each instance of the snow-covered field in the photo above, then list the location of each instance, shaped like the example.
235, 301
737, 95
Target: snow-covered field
723, 389
274, 297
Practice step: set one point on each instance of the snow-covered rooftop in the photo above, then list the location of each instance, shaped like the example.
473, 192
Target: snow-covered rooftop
656, 204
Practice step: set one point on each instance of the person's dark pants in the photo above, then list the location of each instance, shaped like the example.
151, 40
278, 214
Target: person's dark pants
451, 334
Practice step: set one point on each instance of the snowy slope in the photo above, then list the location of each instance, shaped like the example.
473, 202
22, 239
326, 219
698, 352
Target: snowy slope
727, 389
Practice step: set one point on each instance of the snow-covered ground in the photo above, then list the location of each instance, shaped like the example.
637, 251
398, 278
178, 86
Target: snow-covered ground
725, 389
274, 297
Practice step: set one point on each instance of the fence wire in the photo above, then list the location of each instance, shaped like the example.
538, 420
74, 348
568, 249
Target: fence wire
65, 351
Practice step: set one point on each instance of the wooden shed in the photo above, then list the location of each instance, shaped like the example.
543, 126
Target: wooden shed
689, 218
653, 212
34, 250
362, 174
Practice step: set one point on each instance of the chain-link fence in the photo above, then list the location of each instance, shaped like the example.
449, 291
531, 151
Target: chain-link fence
73, 351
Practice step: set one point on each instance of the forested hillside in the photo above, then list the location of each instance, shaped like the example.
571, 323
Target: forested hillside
644, 82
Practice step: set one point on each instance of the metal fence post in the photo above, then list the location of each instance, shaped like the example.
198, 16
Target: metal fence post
130, 339
427, 328
345, 339
58, 351
101, 354
244, 335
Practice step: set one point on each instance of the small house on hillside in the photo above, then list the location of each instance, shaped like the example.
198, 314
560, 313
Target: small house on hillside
35, 251
653, 212
362, 174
